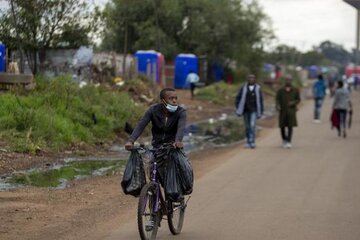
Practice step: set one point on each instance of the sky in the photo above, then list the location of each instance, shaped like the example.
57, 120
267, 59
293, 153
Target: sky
305, 23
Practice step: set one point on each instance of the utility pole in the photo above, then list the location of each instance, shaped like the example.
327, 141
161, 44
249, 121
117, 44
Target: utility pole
356, 5
17, 36
157, 26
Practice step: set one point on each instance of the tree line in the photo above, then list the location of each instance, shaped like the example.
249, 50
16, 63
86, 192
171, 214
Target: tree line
226, 31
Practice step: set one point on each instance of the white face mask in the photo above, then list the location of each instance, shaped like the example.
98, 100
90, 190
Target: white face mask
169, 107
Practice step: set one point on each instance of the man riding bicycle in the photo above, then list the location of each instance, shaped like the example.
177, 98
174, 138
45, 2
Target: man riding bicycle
168, 125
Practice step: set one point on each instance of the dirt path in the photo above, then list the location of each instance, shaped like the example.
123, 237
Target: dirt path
308, 192
91, 208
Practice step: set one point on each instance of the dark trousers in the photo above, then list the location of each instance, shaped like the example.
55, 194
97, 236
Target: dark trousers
286, 133
341, 113
192, 89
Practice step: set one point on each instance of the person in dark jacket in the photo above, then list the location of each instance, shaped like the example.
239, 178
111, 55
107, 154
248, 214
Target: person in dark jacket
168, 121
249, 104
168, 124
287, 100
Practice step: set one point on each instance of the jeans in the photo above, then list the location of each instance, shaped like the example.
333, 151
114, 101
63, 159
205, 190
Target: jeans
341, 113
318, 105
250, 126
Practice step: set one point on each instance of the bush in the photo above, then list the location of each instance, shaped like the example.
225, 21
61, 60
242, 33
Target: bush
58, 113
219, 93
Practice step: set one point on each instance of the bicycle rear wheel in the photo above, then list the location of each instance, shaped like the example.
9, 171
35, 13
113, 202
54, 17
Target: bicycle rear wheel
175, 216
148, 220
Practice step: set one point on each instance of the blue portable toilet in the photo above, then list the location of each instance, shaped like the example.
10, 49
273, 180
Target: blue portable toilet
184, 63
2, 57
151, 63
217, 72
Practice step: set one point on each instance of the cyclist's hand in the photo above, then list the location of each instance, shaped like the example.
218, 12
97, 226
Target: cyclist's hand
129, 146
178, 145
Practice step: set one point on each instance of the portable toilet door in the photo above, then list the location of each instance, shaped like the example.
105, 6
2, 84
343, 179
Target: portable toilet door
184, 64
150, 63
2, 57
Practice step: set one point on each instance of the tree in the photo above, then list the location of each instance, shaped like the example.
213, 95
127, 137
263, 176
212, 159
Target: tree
44, 24
284, 54
221, 29
334, 52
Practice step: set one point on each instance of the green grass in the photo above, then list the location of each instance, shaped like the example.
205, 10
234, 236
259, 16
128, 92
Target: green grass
219, 93
58, 114
225, 132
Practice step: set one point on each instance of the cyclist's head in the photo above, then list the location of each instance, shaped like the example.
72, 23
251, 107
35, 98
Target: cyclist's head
168, 96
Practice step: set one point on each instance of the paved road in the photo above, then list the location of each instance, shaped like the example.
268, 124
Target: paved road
309, 192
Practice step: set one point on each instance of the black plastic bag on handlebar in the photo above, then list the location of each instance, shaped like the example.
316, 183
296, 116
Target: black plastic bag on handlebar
172, 182
134, 175
184, 170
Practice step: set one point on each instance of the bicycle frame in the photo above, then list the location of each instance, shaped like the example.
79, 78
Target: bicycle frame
159, 196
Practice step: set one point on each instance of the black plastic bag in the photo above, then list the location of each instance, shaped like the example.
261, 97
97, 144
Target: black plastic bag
184, 171
134, 175
172, 184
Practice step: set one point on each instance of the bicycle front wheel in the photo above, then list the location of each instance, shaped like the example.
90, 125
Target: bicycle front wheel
148, 220
175, 216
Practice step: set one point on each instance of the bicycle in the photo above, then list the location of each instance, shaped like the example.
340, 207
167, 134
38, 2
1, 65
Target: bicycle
153, 206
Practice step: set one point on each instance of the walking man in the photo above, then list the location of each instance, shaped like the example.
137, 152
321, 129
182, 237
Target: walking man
287, 100
192, 78
319, 92
249, 104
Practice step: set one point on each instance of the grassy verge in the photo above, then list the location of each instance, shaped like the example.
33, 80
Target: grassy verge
59, 114
219, 93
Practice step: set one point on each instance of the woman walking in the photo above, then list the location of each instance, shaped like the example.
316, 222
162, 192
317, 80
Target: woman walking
341, 106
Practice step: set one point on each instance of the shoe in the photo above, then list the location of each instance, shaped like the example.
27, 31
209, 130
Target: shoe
316, 121
284, 145
149, 226
288, 145
344, 134
247, 145
252, 145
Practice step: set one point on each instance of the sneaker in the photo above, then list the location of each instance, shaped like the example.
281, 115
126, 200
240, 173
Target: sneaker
316, 121
284, 145
149, 226
288, 145
247, 145
252, 145
344, 134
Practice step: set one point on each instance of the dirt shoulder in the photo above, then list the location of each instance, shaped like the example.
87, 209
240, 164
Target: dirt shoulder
90, 208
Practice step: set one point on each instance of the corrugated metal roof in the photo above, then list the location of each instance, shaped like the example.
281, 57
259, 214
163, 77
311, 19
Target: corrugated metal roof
354, 3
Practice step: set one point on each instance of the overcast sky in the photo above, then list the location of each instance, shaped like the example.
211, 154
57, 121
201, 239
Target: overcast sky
304, 23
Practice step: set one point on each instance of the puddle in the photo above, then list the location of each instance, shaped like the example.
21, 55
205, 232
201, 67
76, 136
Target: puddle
58, 176
220, 132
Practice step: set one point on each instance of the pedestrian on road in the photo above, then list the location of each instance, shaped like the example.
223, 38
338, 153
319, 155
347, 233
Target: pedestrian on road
287, 100
341, 105
192, 78
249, 104
319, 92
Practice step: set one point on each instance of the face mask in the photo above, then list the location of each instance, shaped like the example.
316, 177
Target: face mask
169, 107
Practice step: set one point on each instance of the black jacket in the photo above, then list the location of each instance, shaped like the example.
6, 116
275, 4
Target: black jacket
165, 129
